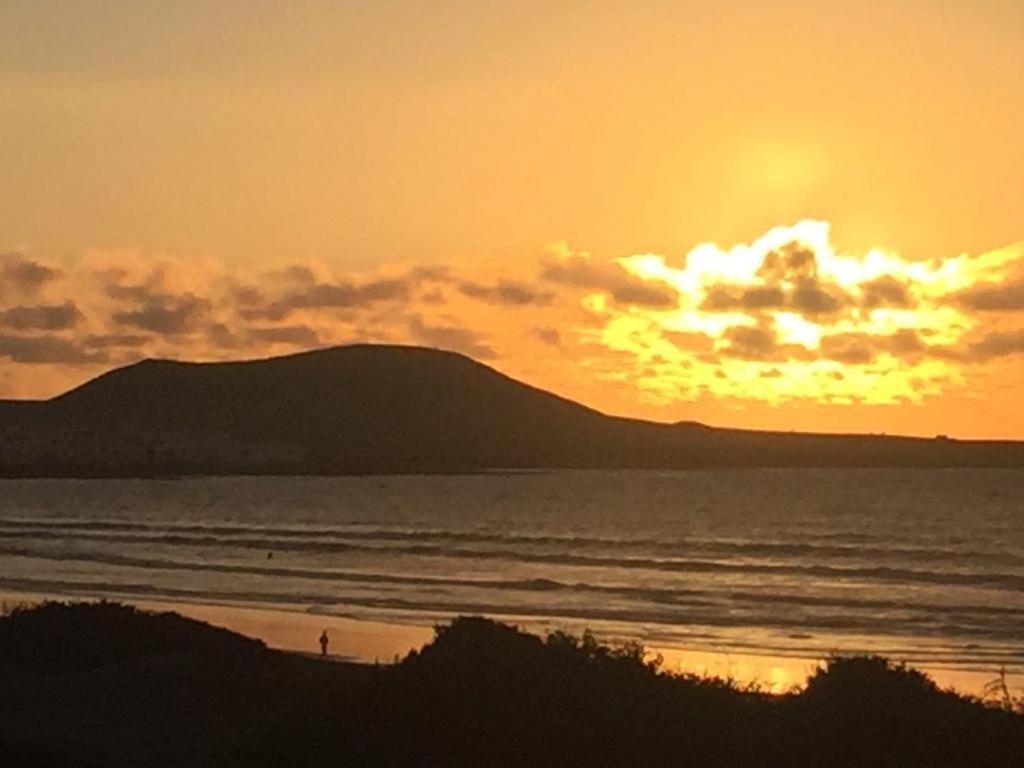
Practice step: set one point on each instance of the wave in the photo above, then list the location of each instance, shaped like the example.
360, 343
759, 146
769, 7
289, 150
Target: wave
339, 539
887, 574
669, 597
695, 629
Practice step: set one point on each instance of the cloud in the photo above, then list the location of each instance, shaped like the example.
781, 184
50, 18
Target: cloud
757, 342
166, 315
581, 271
115, 340
24, 275
779, 319
849, 348
808, 297
787, 279
1008, 297
723, 298
47, 348
247, 295
295, 335
118, 283
689, 342
794, 260
450, 337
340, 295
115, 306
223, 338
508, 292
639, 293
549, 336
997, 344
814, 299
886, 291
45, 317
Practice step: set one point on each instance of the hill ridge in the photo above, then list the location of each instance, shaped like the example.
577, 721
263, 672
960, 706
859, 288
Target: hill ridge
377, 408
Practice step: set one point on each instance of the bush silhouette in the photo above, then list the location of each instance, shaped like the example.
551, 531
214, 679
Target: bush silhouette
869, 711
481, 693
59, 637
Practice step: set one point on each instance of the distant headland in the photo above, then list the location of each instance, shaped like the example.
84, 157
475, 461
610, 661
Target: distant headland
382, 409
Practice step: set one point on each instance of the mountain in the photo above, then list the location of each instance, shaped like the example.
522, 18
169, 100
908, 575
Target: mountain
367, 409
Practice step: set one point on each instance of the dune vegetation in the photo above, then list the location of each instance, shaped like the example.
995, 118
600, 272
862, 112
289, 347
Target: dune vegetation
104, 684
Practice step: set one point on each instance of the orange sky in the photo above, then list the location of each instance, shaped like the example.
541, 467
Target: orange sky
260, 178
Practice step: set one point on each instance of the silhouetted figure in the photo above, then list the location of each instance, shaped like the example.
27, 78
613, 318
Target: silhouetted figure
270, 555
324, 640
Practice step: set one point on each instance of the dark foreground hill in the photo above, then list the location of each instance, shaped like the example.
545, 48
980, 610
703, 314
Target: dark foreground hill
389, 409
180, 693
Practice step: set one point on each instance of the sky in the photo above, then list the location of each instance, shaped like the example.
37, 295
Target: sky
787, 215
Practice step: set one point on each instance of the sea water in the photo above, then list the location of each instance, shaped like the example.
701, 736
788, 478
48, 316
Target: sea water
925, 566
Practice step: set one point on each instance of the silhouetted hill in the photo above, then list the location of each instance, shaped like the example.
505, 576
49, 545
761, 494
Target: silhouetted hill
388, 409
481, 694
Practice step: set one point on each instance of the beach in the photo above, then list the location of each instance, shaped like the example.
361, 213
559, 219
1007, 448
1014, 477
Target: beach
756, 574
374, 642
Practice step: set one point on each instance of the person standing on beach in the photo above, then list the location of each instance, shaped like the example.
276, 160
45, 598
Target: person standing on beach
324, 640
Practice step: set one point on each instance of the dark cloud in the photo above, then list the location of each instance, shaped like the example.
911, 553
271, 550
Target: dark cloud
507, 292
166, 315
450, 337
47, 348
863, 348
1008, 297
813, 299
849, 348
622, 286
756, 342
24, 275
123, 340
689, 341
904, 343
330, 296
296, 335
721, 298
549, 336
644, 293
886, 292
45, 317
765, 297
248, 295
759, 342
113, 280
223, 337
298, 273
805, 293
791, 262
997, 344
433, 297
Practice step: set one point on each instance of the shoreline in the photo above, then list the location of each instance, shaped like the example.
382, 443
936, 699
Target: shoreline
368, 641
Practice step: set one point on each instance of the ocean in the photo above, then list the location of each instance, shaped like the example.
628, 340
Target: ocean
925, 566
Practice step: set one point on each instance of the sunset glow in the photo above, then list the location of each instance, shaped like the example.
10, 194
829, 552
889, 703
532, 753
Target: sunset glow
782, 320
816, 242
578, 382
